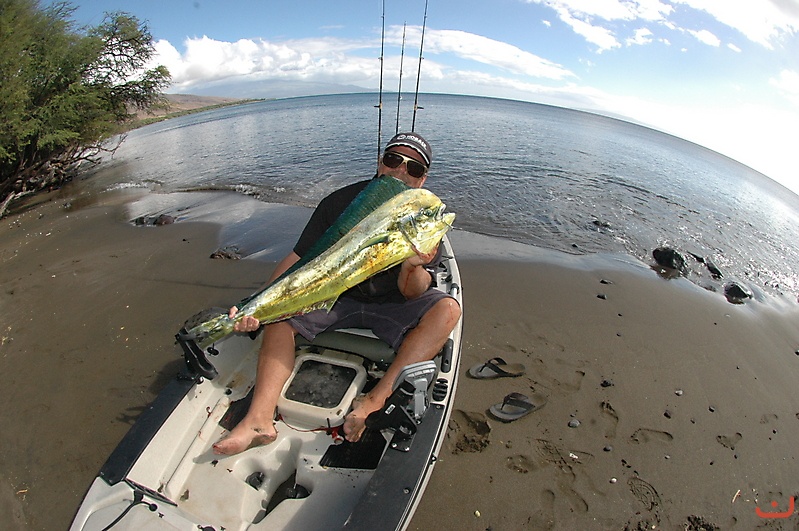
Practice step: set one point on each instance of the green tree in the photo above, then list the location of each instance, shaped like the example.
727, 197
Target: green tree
65, 91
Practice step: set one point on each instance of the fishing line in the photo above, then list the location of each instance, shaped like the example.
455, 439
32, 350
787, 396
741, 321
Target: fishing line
380, 98
419, 71
399, 88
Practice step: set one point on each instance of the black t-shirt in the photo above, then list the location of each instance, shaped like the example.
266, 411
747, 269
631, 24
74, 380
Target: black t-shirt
382, 287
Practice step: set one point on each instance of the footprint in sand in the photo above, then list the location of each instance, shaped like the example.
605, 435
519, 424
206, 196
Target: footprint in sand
645, 435
769, 417
551, 454
729, 441
564, 379
644, 493
520, 463
544, 517
469, 431
612, 417
650, 499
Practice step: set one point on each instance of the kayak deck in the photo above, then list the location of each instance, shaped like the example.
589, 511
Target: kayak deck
165, 475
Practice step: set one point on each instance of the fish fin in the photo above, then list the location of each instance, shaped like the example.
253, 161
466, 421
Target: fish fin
322, 305
328, 304
376, 240
409, 239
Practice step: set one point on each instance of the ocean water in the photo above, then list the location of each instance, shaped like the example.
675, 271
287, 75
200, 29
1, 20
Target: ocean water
546, 176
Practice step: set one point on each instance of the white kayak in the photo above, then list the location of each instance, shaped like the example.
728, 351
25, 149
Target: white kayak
164, 474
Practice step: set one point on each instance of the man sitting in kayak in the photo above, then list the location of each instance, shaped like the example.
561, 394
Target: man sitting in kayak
399, 305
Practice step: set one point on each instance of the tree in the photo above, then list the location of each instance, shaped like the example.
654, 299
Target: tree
64, 92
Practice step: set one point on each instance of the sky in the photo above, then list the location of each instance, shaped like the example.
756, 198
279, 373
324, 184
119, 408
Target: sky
721, 73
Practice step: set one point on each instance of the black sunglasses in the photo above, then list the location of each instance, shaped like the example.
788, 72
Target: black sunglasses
414, 168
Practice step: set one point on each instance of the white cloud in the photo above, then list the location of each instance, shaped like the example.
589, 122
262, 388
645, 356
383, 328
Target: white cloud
329, 59
602, 38
761, 21
610, 9
484, 50
641, 36
706, 37
582, 16
734, 48
322, 59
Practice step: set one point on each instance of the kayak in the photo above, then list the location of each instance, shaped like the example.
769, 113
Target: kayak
165, 475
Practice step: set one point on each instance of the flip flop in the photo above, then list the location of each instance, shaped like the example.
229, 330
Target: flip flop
513, 407
496, 368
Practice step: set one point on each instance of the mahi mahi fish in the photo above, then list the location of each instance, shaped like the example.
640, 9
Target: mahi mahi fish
411, 221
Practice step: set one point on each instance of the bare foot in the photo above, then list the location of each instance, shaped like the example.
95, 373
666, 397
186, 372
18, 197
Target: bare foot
243, 438
355, 421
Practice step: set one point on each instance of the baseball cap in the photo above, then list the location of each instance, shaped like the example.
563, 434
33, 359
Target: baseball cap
416, 142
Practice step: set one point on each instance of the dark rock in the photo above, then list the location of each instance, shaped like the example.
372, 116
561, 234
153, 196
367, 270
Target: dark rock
163, 219
715, 272
697, 523
230, 252
736, 293
670, 258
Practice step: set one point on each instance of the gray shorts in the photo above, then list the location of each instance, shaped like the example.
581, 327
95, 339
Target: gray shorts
389, 321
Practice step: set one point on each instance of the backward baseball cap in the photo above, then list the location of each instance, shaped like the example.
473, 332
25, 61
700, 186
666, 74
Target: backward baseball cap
416, 142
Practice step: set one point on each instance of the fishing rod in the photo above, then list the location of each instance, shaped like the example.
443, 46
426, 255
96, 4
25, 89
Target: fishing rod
419, 71
380, 98
399, 88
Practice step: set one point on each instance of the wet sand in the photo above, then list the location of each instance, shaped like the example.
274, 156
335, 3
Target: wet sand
687, 404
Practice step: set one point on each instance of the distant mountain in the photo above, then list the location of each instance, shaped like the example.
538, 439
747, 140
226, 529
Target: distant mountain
188, 102
181, 103
245, 89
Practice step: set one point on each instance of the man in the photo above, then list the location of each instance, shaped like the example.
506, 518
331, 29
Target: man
398, 305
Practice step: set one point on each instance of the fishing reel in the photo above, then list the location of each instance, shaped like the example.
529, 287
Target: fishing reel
406, 406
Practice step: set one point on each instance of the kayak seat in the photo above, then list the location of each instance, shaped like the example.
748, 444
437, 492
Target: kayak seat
353, 341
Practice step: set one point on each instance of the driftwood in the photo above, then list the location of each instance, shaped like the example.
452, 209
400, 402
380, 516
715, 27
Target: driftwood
11, 197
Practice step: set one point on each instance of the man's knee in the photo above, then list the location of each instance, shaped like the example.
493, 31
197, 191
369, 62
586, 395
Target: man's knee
277, 333
445, 311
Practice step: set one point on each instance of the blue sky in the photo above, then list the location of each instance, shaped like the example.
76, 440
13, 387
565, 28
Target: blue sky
721, 73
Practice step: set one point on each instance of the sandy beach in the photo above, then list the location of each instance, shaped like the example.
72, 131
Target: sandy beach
685, 405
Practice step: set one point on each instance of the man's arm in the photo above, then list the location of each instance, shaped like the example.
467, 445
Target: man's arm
414, 279
282, 266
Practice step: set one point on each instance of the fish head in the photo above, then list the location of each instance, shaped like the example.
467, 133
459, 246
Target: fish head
427, 224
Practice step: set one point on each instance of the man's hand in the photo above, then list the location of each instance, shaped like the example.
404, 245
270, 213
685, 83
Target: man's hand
413, 278
421, 259
247, 323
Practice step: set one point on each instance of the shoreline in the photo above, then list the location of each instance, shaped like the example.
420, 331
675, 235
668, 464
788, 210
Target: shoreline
90, 304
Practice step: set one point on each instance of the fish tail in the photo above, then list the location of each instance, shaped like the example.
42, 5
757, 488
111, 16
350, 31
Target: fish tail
211, 330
